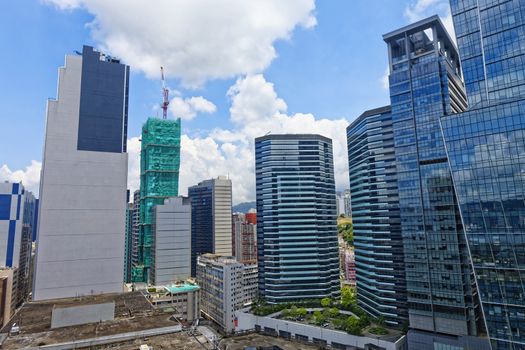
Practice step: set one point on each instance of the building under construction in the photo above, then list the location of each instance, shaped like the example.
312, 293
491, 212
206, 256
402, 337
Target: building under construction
159, 179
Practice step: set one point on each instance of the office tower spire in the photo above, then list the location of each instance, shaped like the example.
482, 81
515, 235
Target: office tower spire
80, 243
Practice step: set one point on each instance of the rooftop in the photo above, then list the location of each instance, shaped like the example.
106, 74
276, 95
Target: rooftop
133, 312
419, 26
222, 259
182, 288
293, 137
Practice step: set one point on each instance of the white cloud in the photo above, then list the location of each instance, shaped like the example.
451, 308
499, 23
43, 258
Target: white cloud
385, 83
65, 4
419, 9
229, 152
30, 176
194, 40
187, 108
255, 110
252, 98
133, 164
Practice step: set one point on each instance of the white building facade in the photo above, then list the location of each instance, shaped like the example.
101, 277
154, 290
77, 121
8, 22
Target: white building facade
80, 242
222, 289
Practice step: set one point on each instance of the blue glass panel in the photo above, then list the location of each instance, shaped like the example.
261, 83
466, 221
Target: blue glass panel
5, 206
103, 104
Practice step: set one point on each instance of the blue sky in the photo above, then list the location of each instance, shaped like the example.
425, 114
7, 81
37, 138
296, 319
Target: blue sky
330, 64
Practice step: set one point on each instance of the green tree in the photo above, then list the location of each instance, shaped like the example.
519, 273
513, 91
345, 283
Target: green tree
348, 297
326, 302
294, 312
347, 231
302, 312
352, 325
333, 312
318, 318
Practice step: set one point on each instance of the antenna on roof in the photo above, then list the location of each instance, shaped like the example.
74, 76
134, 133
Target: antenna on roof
165, 95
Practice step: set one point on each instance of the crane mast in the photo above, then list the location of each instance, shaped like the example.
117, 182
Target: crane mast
165, 95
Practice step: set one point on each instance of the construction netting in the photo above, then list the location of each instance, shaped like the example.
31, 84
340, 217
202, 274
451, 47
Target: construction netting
159, 178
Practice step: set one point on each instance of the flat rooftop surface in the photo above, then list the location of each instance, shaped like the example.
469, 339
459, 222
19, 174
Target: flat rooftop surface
182, 288
255, 340
133, 312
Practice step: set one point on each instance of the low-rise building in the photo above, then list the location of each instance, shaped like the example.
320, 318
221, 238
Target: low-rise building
223, 288
183, 297
8, 295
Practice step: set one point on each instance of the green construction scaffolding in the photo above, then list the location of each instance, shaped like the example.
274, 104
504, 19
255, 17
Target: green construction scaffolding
159, 179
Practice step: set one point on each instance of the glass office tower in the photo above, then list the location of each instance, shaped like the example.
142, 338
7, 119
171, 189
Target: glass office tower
297, 244
211, 218
490, 36
425, 83
380, 270
486, 149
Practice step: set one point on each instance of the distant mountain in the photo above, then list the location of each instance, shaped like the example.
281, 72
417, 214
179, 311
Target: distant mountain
243, 207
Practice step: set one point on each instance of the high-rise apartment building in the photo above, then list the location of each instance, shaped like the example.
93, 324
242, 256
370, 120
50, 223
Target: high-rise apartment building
171, 247
225, 287
486, 151
211, 218
425, 84
159, 179
17, 219
245, 237
80, 243
297, 244
379, 256
343, 203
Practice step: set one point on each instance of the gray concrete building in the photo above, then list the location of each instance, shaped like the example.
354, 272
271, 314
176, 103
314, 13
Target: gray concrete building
226, 286
171, 251
80, 243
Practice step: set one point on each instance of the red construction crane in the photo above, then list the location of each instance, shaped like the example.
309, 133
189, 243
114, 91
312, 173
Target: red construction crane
165, 95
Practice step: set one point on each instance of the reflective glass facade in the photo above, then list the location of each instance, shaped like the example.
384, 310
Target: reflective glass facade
201, 198
425, 83
103, 113
486, 149
297, 245
379, 258
490, 35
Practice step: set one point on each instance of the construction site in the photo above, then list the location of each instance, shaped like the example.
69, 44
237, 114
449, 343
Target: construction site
136, 322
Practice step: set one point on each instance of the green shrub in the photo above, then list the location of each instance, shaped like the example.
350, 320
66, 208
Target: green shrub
353, 326
378, 330
326, 302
